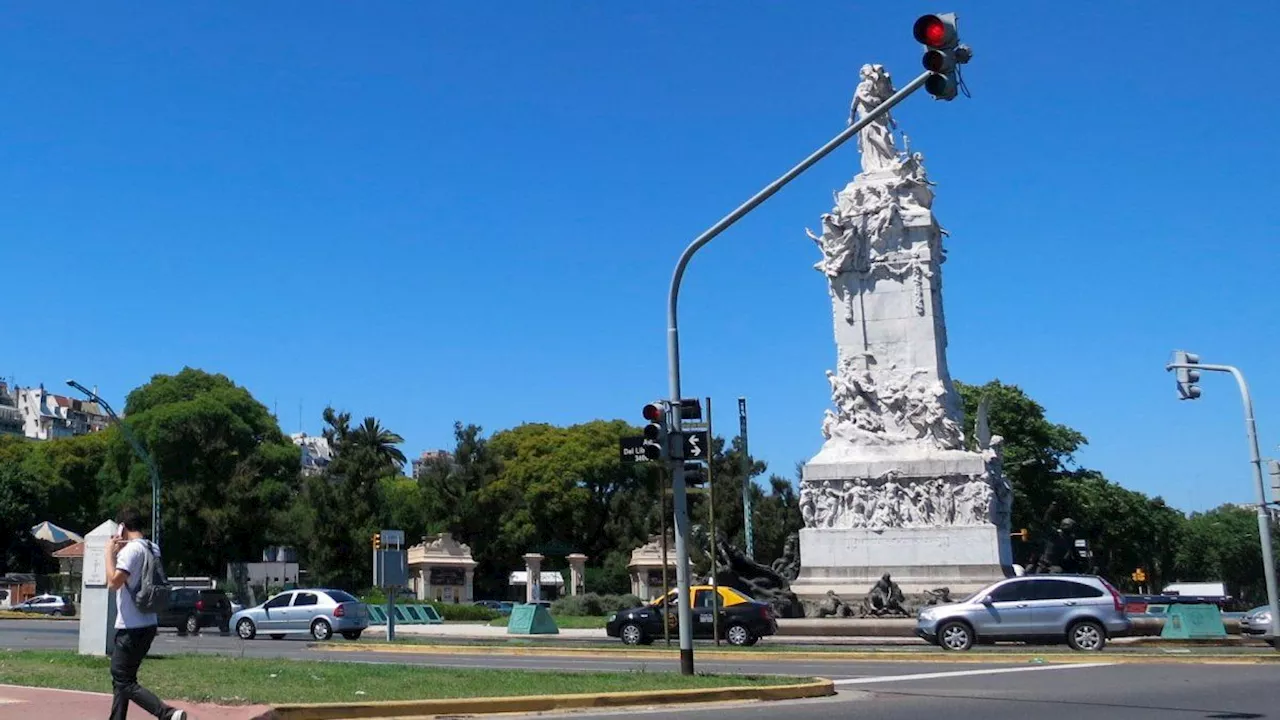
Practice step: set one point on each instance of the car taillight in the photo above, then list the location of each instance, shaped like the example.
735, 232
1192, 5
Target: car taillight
340, 611
199, 606
1115, 596
764, 612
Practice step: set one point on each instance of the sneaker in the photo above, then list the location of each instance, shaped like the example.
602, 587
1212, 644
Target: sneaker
179, 715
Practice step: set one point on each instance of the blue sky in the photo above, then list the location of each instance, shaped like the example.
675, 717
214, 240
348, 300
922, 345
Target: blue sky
430, 211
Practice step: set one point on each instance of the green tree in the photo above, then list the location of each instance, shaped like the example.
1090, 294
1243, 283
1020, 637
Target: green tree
1037, 453
227, 472
1224, 545
23, 500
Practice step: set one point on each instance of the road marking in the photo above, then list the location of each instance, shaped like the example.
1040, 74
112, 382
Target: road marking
964, 673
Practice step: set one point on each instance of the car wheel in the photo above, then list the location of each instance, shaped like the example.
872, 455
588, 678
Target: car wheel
955, 636
321, 630
246, 629
1087, 636
193, 624
631, 634
57, 613
352, 634
739, 635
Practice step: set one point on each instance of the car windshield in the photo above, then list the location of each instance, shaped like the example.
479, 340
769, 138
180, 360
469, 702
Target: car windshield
340, 596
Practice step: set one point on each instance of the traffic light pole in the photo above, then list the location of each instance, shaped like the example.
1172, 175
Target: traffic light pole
679, 493
1264, 518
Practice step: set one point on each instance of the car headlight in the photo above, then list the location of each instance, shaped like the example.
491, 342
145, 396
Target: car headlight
612, 617
1262, 618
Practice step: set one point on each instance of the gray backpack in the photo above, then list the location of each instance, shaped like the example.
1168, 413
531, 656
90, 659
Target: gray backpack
154, 592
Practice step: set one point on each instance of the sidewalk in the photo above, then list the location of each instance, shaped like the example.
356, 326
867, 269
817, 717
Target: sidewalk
23, 703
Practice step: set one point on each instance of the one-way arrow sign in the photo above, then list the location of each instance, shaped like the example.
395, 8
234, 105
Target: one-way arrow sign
697, 445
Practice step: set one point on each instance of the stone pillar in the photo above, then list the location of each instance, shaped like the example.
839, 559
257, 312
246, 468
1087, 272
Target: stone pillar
577, 570
97, 603
533, 588
469, 594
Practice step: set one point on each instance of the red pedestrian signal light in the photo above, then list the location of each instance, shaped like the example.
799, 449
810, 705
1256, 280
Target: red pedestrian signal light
943, 53
654, 412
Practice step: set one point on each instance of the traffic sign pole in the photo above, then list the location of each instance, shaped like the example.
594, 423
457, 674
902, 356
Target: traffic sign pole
1264, 517
673, 343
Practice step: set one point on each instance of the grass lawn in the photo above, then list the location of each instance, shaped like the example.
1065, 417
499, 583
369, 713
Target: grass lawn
565, 622
234, 680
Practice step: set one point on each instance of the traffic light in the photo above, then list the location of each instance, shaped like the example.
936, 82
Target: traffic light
1139, 575
695, 474
943, 54
1273, 469
377, 541
655, 432
690, 409
1187, 377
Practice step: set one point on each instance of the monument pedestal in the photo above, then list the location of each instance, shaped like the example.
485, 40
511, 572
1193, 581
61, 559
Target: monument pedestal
97, 603
930, 519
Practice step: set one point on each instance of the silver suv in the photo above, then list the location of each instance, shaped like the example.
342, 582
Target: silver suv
1082, 609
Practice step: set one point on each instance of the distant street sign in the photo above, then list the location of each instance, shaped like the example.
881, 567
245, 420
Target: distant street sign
631, 450
393, 537
697, 445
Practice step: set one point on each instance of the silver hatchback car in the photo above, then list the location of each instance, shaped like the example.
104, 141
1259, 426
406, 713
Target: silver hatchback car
1084, 610
317, 612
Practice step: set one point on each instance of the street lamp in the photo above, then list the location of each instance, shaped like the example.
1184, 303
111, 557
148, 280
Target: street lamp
138, 450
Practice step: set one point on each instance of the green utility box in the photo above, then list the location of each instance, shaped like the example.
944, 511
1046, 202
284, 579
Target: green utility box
531, 620
1193, 622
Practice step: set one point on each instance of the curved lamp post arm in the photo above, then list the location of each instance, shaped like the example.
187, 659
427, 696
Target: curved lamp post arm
138, 450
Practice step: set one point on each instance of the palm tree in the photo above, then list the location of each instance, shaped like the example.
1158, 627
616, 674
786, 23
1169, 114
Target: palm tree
372, 436
339, 427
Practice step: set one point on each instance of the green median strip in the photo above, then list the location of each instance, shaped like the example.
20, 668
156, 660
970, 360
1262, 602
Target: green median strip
235, 680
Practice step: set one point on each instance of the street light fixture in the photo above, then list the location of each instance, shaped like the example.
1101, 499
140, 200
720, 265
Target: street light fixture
138, 450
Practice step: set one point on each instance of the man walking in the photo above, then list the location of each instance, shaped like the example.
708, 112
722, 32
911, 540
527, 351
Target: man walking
126, 557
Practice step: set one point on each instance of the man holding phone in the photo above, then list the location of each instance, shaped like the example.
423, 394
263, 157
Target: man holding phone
135, 630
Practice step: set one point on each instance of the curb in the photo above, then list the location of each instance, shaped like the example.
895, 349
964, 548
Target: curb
889, 656
543, 703
9, 615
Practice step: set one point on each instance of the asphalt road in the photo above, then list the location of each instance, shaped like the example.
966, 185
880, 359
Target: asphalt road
888, 690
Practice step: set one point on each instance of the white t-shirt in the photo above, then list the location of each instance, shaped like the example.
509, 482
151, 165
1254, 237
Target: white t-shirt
130, 559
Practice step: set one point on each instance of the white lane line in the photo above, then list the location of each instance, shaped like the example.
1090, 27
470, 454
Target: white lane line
965, 673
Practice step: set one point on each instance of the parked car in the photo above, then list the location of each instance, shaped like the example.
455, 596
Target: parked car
191, 609
743, 621
501, 606
1257, 621
1083, 610
54, 605
317, 611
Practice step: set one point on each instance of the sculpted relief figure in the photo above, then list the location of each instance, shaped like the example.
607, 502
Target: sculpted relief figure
875, 141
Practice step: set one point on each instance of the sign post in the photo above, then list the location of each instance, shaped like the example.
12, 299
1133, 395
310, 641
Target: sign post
390, 571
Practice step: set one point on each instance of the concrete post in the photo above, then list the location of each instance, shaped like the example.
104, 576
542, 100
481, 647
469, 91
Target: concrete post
577, 571
469, 593
532, 588
97, 603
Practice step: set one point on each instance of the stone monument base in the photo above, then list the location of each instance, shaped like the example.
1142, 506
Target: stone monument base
850, 561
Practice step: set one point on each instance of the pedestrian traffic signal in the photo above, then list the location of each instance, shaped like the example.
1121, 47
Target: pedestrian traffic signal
943, 53
377, 541
655, 432
695, 474
1187, 377
1139, 575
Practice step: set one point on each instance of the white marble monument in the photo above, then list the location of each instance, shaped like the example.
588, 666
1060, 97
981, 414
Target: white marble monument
97, 603
894, 489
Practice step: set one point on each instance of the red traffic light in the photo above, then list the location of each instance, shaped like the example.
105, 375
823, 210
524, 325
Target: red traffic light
653, 412
934, 31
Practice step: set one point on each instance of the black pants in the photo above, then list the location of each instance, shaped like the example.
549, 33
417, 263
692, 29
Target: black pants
130, 647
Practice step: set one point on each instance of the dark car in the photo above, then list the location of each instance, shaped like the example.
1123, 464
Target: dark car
191, 609
743, 621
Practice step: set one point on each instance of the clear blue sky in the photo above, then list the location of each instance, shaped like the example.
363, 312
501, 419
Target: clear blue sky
431, 211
